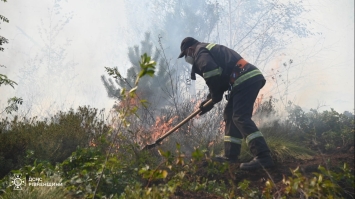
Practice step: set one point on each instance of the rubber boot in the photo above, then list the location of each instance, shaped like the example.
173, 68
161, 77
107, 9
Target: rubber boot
231, 153
262, 157
263, 160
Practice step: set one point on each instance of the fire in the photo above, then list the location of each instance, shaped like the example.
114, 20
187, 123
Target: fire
161, 126
210, 144
197, 104
92, 143
222, 126
130, 101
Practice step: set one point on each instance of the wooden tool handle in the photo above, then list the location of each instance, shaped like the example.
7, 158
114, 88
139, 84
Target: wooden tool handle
209, 102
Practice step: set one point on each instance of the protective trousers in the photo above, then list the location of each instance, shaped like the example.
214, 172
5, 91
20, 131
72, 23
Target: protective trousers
239, 125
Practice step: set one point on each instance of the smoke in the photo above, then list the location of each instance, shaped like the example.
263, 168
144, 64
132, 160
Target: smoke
93, 35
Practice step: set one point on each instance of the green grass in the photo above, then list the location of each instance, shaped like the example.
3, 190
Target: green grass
36, 192
283, 148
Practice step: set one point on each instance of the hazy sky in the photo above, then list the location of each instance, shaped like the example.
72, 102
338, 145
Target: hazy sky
331, 80
100, 33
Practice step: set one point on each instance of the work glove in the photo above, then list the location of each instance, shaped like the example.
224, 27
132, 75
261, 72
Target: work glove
207, 108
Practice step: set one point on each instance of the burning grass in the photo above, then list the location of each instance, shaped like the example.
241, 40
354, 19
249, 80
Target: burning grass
161, 126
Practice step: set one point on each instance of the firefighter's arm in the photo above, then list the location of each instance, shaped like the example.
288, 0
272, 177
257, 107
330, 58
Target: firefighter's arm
214, 87
211, 73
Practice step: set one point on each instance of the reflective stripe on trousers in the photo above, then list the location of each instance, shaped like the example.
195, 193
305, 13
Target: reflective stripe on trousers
247, 139
253, 136
233, 140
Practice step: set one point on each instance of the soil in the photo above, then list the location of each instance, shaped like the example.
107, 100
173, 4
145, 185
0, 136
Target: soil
282, 169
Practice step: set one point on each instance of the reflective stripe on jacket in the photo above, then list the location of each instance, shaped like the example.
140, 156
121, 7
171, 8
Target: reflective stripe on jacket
249, 73
215, 64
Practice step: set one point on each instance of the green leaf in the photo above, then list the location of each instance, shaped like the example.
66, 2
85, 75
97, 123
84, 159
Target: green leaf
6, 81
133, 89
320, 178
144, 103
4, 18
197, 155
150, 73
113, 72
147, 67
123, 91
13, 104
164, 174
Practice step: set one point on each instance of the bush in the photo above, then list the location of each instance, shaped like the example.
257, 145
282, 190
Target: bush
323, 184
44, 171
83, 169
324, 131
320, 131
52, 139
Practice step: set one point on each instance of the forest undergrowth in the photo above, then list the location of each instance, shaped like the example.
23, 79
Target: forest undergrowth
78, 154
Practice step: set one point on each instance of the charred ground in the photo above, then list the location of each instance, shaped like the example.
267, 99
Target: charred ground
282, 170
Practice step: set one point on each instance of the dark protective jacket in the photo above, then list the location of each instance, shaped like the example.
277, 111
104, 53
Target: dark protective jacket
215, 63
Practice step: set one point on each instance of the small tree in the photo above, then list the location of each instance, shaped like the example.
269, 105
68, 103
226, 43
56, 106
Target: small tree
149, 89
115, 86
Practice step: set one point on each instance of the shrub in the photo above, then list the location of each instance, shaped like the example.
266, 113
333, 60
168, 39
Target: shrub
52, 139
42, 172
83, 168
323, 184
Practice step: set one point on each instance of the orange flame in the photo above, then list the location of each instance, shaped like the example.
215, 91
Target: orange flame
92, 143
222, 126
161, 126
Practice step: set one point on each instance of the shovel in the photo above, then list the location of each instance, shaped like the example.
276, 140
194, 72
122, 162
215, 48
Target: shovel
161, 138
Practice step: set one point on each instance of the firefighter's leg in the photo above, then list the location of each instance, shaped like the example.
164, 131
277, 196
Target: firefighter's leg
243, 104
232, 139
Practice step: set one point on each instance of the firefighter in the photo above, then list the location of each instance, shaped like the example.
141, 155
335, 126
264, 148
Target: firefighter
223, 69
